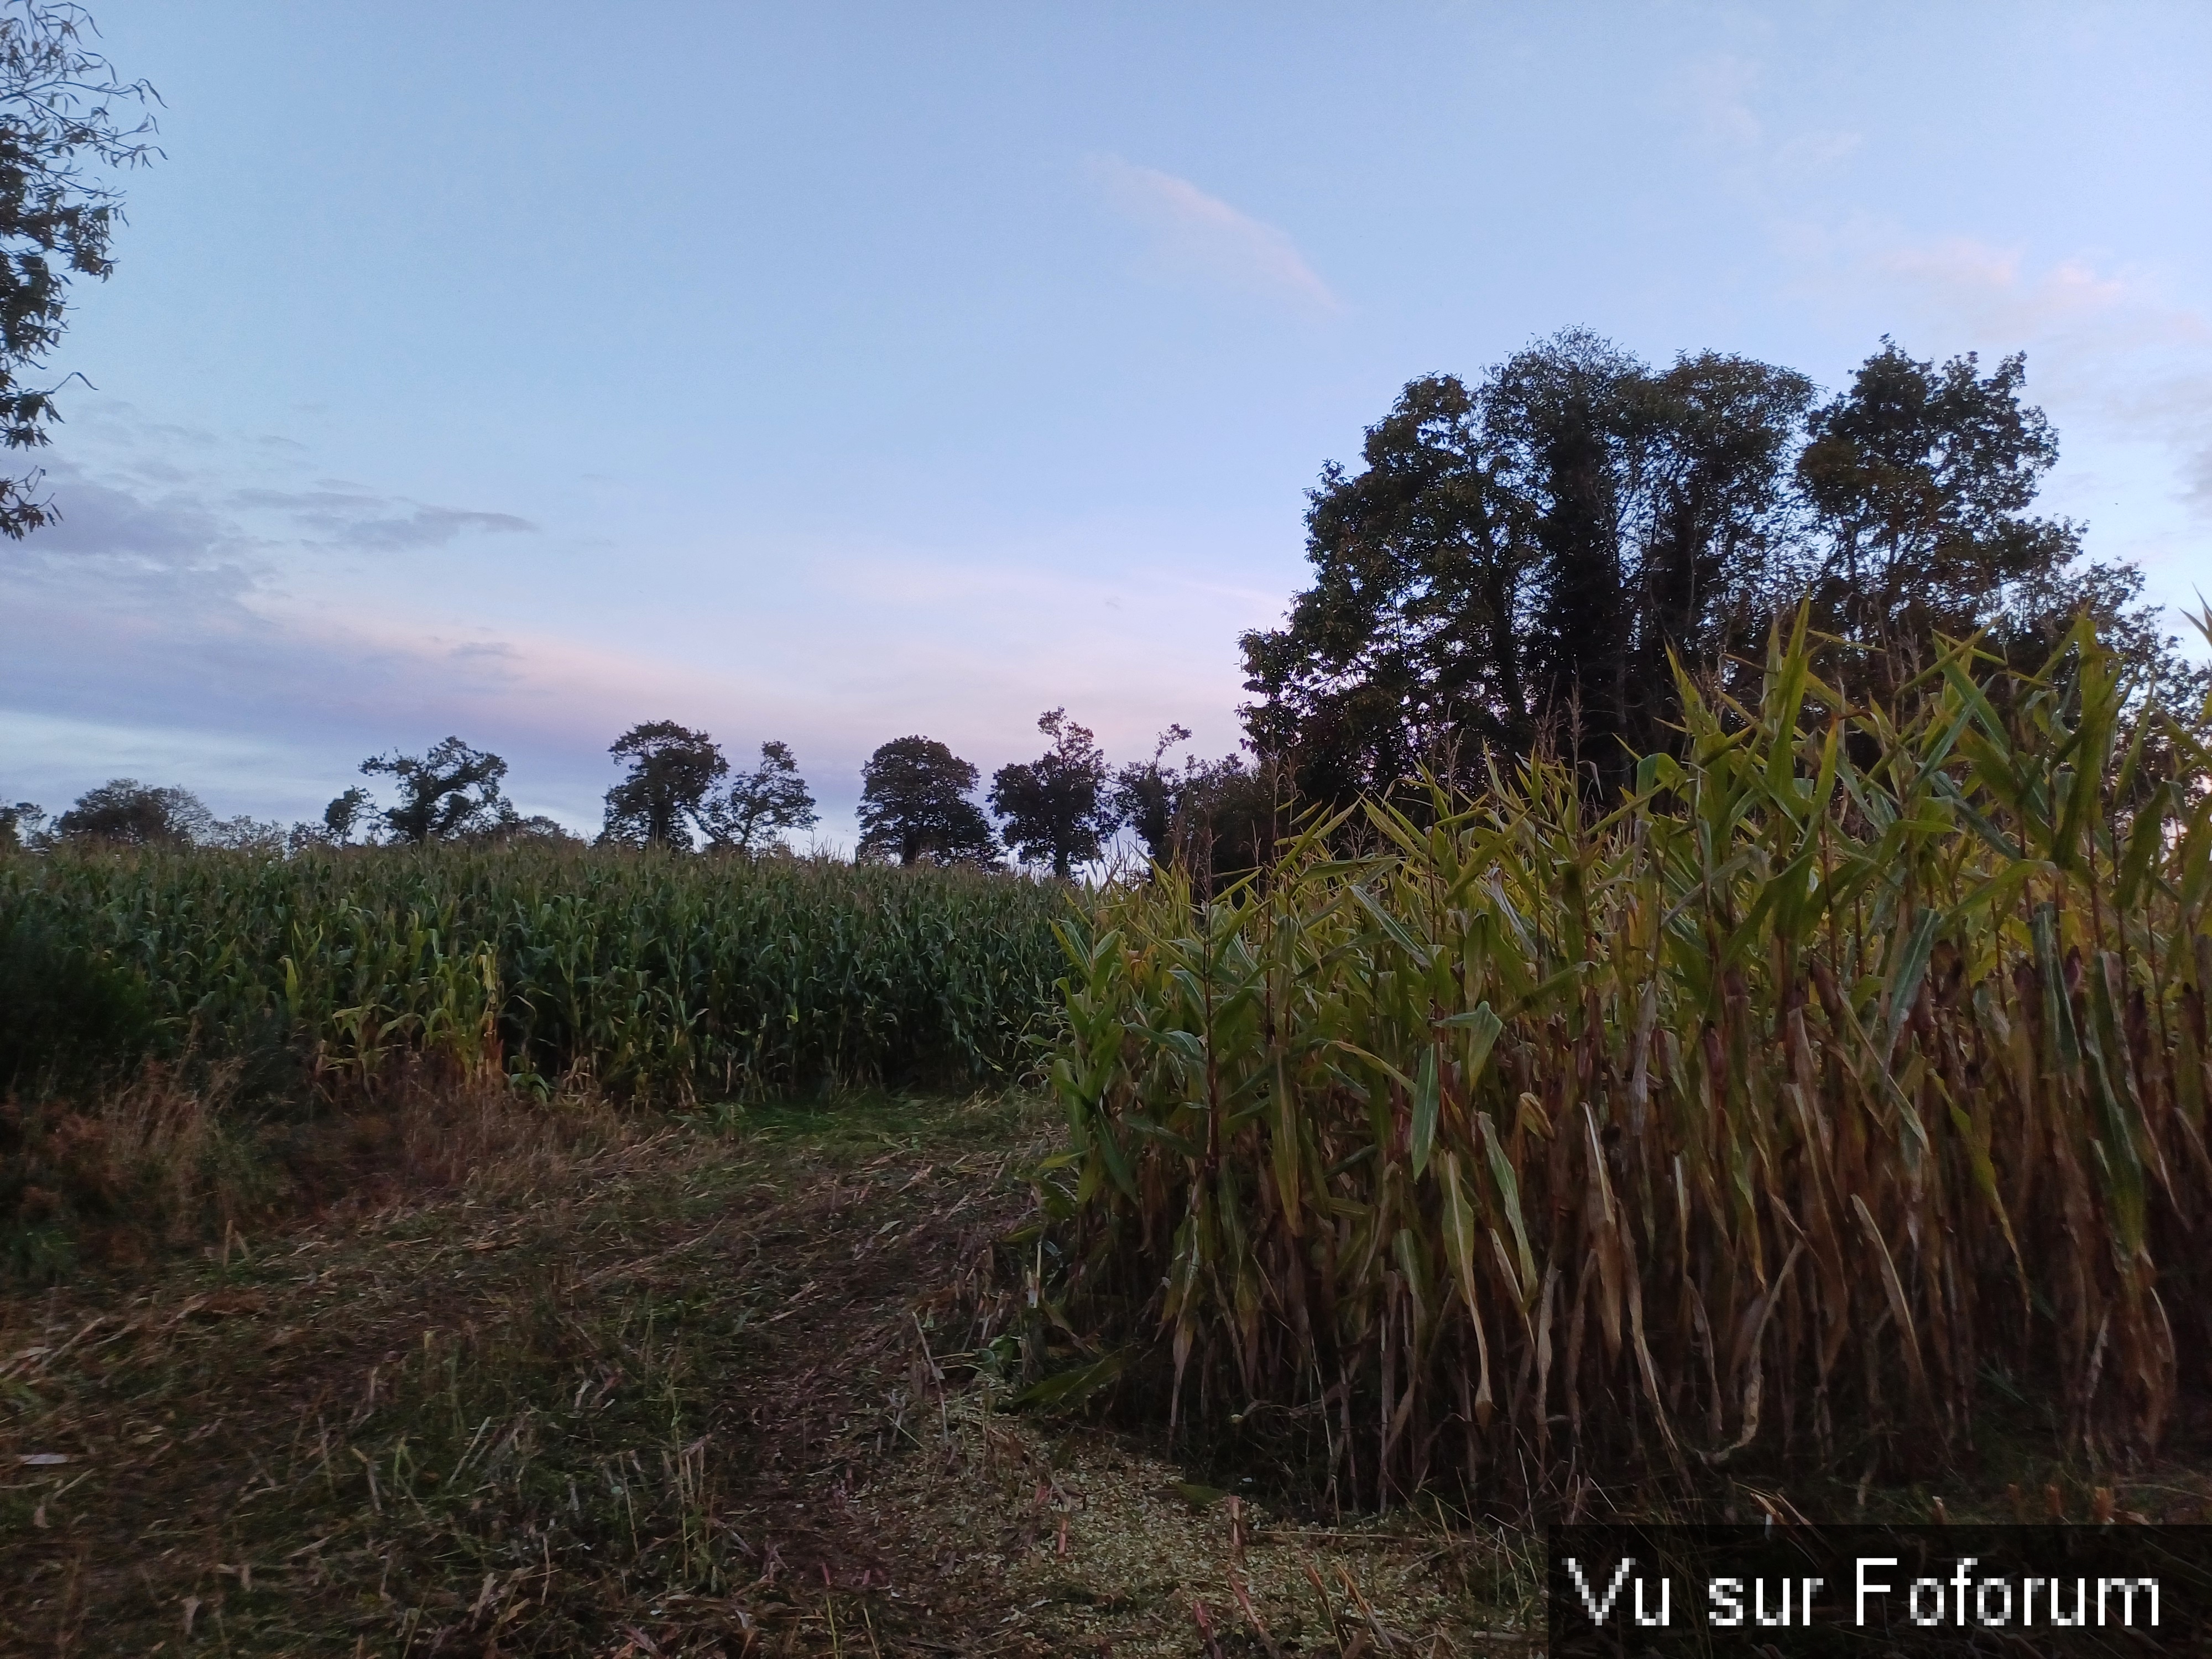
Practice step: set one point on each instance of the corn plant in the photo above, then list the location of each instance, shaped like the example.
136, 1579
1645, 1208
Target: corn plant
657, 976
1856, 1057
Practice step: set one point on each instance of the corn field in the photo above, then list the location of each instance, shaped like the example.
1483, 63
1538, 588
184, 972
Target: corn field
654, 975
1853, 1067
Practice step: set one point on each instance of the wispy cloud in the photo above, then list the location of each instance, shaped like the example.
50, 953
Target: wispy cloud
1719, 96
371, 523
2124, 370
1194, 233
2106, 344
194, 628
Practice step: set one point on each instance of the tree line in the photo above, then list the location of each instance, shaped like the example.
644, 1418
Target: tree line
679, 792
1524, 563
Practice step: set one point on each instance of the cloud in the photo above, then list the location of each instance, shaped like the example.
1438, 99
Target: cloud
1717, 95
2107, 345
1992, 288
370, 523
2124, 370
1717, 92
173, 530
189, 623
1193, 233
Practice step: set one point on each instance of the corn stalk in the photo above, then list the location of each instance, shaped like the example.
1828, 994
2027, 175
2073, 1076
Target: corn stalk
1856, 1056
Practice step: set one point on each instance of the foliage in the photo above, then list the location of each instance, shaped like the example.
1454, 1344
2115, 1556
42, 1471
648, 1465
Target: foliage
536, 830
346, 813
1057, 809
758, 808
1216, 821
21, 824
61, 110
672, 768
125, 812
451, 792
1858, 1059
1518, 565
71, 1011
1145, 796
667, 978
915, 806
1920, 480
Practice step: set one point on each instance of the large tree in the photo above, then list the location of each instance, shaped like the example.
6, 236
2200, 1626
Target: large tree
915, 806
20, 824
1523, 562
760, 807
1057, 809
125, 812
66, 122
347, 812
451, 792
672, 769
1921, 481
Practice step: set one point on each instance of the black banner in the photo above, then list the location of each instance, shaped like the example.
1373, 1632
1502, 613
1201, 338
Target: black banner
1864, 1592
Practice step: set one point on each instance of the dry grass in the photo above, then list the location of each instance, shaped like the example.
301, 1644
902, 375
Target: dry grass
171, 1158
651, 1389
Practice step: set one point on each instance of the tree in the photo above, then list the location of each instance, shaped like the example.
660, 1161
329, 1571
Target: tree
243, 833
20, 824
1056, 808
1524, 563
762, 806
1921, 479
536, 830
1228, 818
1215, 820
451, 792
125, 812
1145, 795
672, 768
345, 814
1517, 562
915, 806
62, 111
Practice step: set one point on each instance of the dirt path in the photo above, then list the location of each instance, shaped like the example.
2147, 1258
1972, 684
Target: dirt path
685, 1396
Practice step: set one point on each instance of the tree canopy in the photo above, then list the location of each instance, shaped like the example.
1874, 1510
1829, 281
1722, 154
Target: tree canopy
1218, 820
63, 113
125, 812
915, 806
20, 822
1520, 563
672, 769
759, 807
1057, 809
450, 793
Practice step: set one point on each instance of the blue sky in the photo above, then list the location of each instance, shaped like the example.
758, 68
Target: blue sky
834, 373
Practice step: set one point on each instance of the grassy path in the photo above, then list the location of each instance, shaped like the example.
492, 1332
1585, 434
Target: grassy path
679, 1395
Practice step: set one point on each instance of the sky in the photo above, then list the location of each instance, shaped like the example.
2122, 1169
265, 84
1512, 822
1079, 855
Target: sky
834, 373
